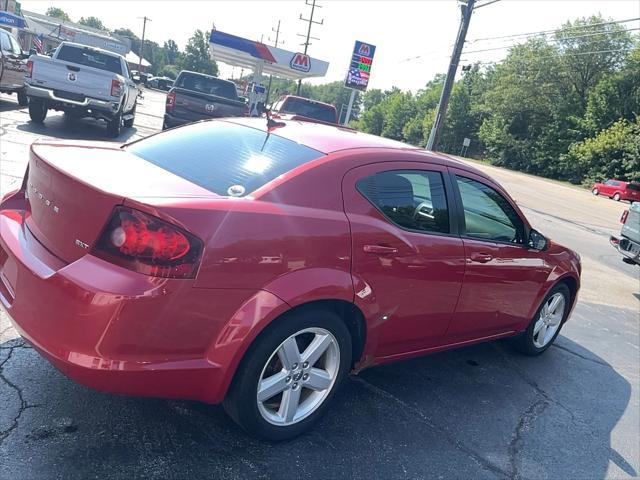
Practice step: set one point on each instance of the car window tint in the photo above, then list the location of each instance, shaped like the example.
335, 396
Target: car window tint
207, 85
412, 199
487, 214
223, 157
307, 109
5, 43
90, 58
633, 186
15, 46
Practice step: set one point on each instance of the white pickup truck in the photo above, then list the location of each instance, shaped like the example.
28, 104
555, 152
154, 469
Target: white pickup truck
82, 81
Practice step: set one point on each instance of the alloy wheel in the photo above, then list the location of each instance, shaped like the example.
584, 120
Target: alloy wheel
549, 320
298, 376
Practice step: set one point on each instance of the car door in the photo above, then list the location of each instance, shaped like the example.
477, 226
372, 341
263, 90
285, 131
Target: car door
12, 63
503, 276
407, 261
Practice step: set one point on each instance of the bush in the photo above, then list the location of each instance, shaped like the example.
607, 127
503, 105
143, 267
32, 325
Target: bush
170, 71
613, 153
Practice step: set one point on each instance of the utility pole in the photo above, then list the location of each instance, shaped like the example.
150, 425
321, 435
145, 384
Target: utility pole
434, 136
309, 37
144, 28
275, 44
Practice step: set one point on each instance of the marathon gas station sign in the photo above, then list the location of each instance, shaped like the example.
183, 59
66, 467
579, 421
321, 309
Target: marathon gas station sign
360, 67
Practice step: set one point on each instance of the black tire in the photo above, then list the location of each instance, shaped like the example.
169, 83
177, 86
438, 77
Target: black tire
241, 401
23, 100
616, 197
595, 191
114, 126
37, 110
524, 342
129, 122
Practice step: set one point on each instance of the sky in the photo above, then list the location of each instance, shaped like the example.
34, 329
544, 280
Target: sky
413, 39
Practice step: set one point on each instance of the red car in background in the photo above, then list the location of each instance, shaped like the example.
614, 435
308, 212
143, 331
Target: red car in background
299, 108
618, 190
225, 261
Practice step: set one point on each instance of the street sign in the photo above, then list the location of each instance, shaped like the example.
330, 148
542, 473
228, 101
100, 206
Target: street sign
360, 66
466, 142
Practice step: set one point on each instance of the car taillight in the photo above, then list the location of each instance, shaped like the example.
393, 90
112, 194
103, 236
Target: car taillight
624, 216
29, 71
171, 100
116, 88
148, 245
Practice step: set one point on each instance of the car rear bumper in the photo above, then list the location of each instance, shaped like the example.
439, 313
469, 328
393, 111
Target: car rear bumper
628, 248
107, 106
113, 329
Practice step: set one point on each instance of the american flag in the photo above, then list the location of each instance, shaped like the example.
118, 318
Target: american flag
38, 43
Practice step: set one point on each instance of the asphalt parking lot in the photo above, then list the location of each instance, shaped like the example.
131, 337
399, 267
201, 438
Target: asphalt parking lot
478, 412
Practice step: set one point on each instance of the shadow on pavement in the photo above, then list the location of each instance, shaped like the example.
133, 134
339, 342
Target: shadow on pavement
478, 412
60, 126
6, 105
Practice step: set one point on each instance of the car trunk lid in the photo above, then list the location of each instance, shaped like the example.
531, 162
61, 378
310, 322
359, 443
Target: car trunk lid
73, 190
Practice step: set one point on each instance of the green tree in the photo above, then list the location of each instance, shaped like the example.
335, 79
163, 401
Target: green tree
171, 52
93, 22
196, 55
612, 153
584, 70
57, 13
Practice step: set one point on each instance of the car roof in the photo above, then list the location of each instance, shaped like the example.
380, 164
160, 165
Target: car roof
328, 139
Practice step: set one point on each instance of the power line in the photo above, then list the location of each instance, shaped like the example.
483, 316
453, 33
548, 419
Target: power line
513, 44
504, 47
552, 31
553, 56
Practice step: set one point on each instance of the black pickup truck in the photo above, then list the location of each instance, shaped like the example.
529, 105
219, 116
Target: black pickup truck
195, 96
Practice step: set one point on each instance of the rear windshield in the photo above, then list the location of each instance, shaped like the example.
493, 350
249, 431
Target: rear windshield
90, 58
222, 157
318, 111
633, 186
208, 85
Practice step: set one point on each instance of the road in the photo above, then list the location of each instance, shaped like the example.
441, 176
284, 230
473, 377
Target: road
478, 412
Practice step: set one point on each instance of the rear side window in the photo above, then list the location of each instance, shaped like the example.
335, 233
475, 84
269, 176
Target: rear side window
613, 183
90, 58
222, 157
207, 85
487, 214
309, 110
633, 186
412, 199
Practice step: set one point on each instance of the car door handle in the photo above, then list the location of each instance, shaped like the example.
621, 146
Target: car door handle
481, 257
380, 249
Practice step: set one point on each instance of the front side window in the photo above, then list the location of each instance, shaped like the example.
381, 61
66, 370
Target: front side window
487, 214
612, 183
412, 199
15, 46
5, 43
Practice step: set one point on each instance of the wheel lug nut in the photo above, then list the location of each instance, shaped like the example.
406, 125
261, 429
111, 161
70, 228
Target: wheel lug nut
295, 386
305, 365
287, 380
305, 376
295, 365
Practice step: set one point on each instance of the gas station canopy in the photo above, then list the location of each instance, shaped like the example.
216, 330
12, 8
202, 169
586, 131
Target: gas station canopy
242, 52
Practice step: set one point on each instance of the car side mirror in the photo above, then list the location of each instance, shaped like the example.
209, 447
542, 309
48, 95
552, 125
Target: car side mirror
537, 241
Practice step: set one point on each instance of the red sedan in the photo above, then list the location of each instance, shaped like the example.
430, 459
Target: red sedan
225, 261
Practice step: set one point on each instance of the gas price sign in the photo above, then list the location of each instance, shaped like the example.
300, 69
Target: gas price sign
360, 67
